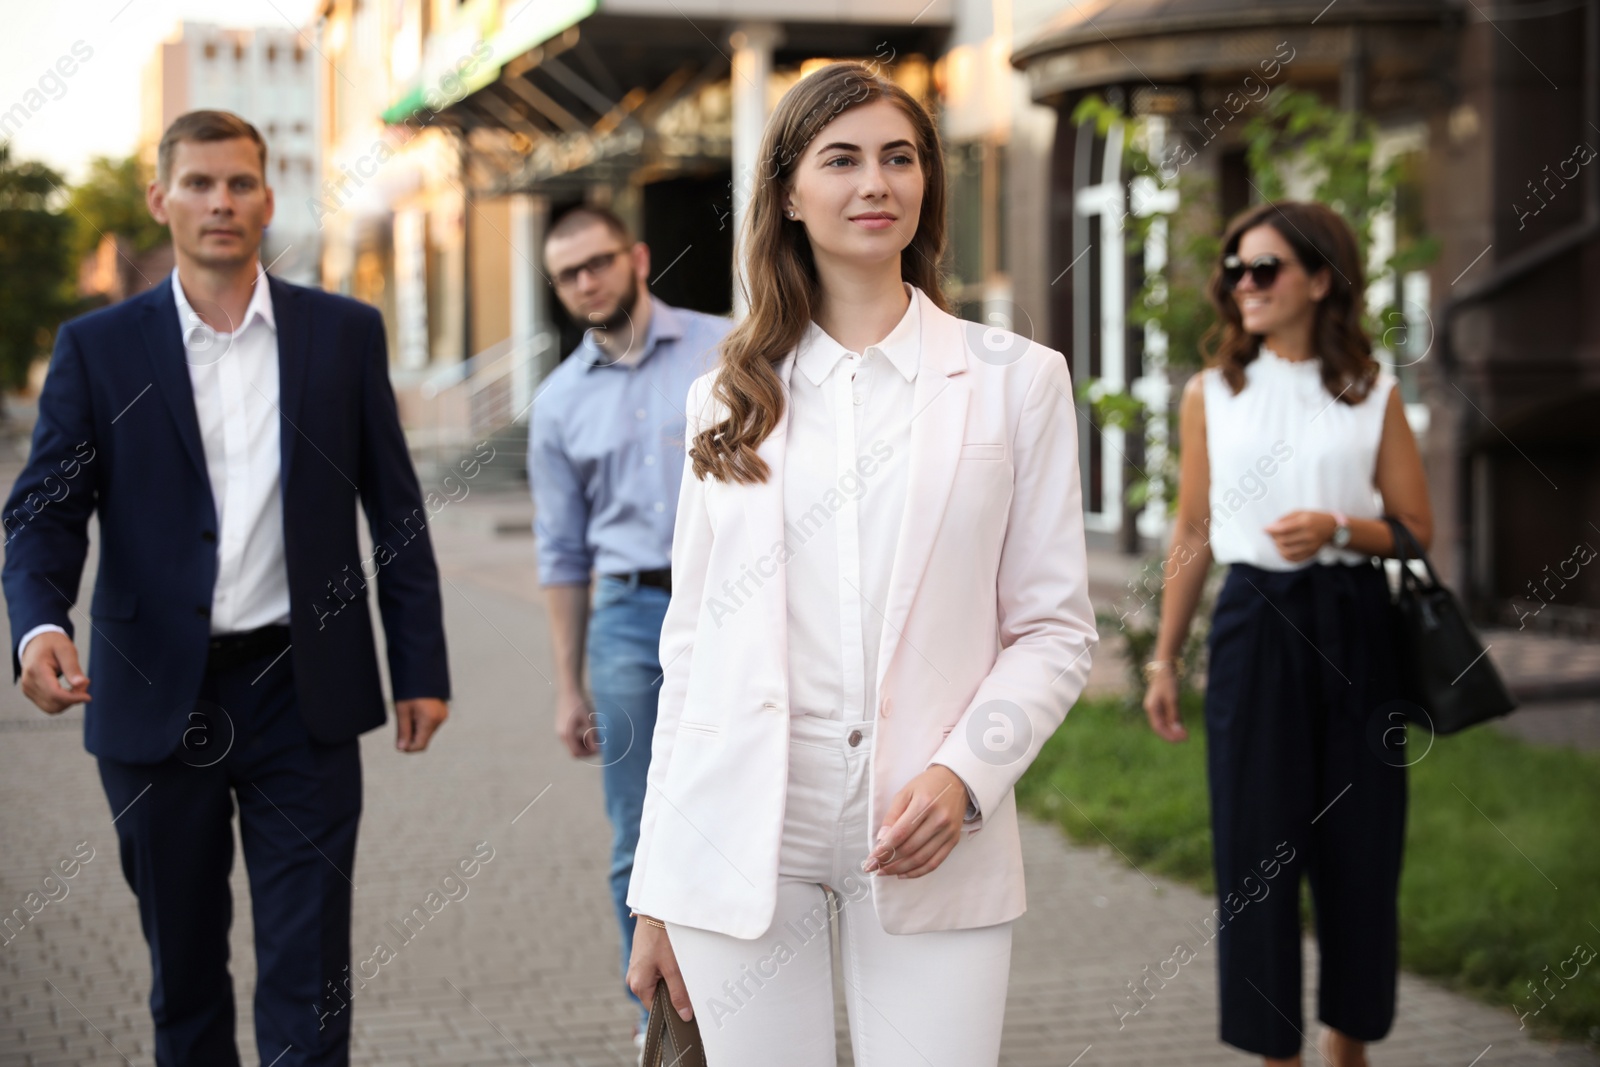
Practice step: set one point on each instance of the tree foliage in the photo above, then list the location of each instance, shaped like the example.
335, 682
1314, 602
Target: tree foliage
35, 263
110, 200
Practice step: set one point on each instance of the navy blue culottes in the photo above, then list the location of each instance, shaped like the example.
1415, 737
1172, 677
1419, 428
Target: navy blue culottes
1306, 759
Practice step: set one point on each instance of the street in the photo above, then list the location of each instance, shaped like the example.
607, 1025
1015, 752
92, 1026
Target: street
518, 964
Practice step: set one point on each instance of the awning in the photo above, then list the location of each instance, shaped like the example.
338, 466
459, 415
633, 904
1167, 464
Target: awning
531, 26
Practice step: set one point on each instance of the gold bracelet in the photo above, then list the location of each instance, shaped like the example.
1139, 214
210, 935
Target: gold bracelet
1156, 666
653, 922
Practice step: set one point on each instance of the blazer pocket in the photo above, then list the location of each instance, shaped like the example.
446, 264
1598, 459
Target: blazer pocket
704, 729
108, 604
983, 451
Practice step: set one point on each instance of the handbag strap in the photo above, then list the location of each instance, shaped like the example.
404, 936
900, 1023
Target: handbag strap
1407, 547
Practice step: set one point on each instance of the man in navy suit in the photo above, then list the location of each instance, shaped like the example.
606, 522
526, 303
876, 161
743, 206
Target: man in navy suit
224, 426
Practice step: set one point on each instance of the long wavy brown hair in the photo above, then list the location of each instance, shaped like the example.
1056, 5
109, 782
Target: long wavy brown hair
779, 280
1320, 239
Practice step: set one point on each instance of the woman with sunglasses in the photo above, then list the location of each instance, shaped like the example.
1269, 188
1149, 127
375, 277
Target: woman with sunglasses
879, 613
1294, 447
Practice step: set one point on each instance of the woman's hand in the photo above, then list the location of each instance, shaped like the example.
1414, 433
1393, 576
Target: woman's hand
1299, 534
1161, 707
652, 958
922, 826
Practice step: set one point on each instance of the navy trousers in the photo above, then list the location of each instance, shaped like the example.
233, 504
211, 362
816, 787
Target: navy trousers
299, 803
1306, 760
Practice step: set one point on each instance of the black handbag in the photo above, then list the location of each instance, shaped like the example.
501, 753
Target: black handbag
1444, 668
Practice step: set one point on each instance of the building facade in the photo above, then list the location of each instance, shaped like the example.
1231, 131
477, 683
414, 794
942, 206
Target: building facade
266, 76
1497, 123
453, 132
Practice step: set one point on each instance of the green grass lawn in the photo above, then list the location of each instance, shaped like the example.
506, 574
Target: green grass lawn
1502, 867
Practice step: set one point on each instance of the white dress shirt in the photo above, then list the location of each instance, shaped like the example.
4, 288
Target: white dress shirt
844, 490
235, 381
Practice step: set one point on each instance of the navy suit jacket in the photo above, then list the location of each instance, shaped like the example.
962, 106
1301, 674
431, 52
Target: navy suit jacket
117, 434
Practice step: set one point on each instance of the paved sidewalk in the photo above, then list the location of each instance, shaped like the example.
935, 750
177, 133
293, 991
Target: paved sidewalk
522, 970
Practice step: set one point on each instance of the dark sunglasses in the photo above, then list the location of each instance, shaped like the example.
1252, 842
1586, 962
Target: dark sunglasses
594, 265
1263, 271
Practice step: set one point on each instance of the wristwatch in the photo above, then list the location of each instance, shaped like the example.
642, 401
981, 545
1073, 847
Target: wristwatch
972, 809
1341, 530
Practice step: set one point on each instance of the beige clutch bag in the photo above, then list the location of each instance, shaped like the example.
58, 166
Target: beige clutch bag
668, 1040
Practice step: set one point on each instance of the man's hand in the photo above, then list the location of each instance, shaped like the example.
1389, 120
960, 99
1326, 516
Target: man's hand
49, 656
922, 825
575, 724
415, 721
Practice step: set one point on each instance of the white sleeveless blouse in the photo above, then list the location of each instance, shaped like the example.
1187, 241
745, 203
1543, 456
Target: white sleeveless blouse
1284, 444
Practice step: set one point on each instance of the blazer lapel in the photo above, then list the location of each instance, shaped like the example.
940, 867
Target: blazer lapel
938, 425
294, 353
163, 342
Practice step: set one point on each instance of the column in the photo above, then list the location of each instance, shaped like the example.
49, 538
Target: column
532, 353
752, 44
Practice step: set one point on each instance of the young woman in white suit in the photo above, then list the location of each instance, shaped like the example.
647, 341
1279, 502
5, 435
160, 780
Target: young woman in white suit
879, 614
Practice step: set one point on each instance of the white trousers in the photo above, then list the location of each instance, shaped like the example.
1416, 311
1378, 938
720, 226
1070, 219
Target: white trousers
914, 1000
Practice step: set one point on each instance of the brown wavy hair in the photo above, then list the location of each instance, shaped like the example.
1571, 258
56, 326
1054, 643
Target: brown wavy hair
779, 280
1320, 239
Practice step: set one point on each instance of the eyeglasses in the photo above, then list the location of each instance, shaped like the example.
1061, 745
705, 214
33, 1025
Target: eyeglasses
1263, 271
594, 265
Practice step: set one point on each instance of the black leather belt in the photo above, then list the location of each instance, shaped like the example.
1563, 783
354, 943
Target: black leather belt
660, 578
230, 650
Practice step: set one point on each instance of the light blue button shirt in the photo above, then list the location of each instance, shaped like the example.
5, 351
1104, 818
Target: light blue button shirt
606, 449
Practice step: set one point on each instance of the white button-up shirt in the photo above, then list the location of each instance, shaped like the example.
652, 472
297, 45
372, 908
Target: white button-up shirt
844, 488
235, 380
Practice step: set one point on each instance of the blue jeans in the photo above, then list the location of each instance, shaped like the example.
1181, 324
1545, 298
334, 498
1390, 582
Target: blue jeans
625, 680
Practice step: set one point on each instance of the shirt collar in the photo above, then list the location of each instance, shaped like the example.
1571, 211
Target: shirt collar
260, 305
665, 325
818, 353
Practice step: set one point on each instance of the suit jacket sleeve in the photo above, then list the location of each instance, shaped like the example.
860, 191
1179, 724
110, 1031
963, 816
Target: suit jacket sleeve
408, 576
47, 515
1046, 622
691, 552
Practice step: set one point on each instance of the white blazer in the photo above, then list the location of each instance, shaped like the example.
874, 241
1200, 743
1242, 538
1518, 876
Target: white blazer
985, 646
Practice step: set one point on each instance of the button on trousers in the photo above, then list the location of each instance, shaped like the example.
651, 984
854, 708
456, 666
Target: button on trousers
913, 1000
